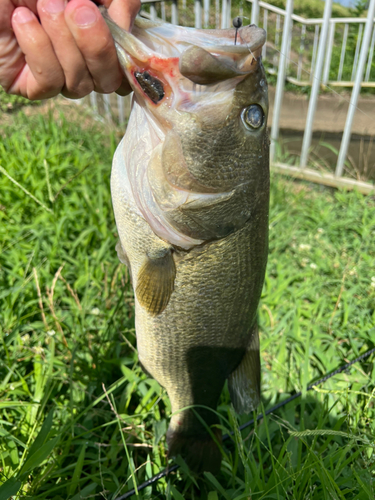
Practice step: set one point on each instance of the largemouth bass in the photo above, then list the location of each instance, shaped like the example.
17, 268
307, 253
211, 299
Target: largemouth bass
190, 191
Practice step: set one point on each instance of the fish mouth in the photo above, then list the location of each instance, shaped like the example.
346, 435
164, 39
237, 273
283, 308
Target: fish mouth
205, 57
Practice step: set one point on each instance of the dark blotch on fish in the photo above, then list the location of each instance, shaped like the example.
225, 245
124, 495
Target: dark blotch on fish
150, 85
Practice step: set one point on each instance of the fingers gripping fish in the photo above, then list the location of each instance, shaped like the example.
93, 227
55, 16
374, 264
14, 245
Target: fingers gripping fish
190, 191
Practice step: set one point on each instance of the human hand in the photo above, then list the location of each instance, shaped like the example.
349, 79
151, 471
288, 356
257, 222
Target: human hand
70, 51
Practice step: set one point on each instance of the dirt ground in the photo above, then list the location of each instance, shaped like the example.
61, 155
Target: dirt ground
330, 115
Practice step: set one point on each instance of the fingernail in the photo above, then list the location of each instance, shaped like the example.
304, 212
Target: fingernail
84, 16
23, 15
54, 6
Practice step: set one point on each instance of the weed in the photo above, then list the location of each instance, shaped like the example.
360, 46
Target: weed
78, 416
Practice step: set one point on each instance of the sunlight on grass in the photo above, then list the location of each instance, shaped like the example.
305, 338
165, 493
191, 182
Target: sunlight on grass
79, 418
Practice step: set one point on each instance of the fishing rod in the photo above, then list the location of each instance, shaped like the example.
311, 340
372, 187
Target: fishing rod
320, 381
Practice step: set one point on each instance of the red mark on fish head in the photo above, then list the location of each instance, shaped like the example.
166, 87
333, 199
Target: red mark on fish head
165, 65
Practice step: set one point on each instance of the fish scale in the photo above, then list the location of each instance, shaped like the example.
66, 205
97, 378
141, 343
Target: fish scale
190, 192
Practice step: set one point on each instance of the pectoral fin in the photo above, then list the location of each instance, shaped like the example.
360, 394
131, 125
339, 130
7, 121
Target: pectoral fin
244, 382
155, 283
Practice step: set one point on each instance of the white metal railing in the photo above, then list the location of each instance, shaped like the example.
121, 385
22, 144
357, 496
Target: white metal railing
326, 27
272, 17
321, 66
334, 23
317, 58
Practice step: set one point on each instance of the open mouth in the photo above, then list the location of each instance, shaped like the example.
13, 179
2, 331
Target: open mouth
171, 40
205, 56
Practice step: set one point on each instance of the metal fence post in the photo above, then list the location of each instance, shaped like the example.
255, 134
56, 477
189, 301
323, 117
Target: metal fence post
198, 13
277, 39
265, 20
229, 15
329, 48
370, 56
255, 12
343, 50
301, 50
280, 79
277, 33
174, 12
315, 49
289, 49
107, 106
356, 90
153, 13
94, 102
121, 111
224, 14
357, 47
206, 17
316, 84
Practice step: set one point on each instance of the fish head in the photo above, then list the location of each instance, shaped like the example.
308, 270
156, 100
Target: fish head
206, 100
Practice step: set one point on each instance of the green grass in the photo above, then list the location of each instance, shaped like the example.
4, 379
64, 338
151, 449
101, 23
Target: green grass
78, 417
10, 103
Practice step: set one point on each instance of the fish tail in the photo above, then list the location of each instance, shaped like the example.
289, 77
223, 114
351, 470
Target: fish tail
200, 451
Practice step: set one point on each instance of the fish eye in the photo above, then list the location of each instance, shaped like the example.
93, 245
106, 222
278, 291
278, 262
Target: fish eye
253, 116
